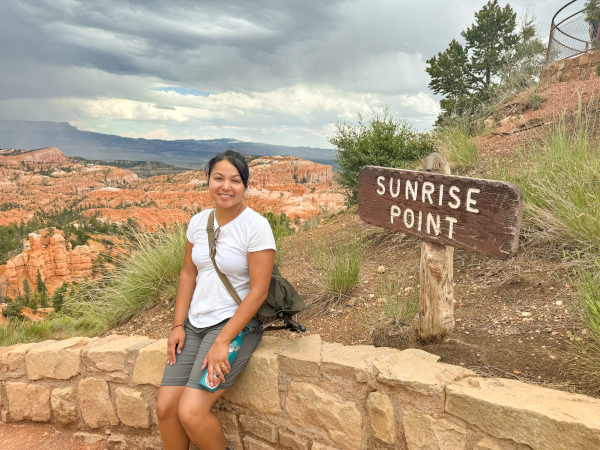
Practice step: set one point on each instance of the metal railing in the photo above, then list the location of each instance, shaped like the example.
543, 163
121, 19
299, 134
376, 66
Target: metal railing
570, 37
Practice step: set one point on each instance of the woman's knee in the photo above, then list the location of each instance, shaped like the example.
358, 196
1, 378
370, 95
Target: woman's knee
167, 405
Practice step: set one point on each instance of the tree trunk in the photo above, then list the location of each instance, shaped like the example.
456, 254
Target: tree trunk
436, 292
436, 276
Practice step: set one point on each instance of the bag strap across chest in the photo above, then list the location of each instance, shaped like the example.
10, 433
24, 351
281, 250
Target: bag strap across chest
210, 231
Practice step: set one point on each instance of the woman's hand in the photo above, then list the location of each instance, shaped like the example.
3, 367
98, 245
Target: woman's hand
217, 360
176, 340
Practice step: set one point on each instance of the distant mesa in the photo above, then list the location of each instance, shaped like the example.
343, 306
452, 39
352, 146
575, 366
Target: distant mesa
42, 155
186, 153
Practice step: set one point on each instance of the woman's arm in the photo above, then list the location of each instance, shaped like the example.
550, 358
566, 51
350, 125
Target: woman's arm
185, 290
260, 266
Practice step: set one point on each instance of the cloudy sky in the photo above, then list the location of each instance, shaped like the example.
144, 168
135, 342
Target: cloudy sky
273, 71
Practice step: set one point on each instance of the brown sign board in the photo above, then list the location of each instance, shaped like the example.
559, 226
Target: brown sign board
477, 215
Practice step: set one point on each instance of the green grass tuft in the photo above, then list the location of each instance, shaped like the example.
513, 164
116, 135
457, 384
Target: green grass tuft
455, 144
150, 272
561, 181
55, 327
339, 267
399, 304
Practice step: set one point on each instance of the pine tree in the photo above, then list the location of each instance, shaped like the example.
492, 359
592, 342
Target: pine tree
42, 290
26, 289
465, 74
59, 296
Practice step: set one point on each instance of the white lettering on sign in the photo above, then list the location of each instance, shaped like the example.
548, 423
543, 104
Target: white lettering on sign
412, 218
470, 201
436, 226
413, 190
394, 212
428, 189
452, 221
381, 189
456, 204
431, 223
392, 188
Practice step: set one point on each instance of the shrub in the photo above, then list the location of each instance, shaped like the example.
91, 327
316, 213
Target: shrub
281, 226
56, 327
384, 141
597, 70
588, 288
13, 310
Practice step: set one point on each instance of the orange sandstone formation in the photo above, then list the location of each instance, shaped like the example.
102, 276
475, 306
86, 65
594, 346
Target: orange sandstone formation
56, 263
299, 188
43, 155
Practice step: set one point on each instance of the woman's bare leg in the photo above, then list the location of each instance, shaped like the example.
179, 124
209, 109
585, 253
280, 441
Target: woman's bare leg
202, 426
172, 433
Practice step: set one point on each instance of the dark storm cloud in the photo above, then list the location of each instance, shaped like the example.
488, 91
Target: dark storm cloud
301, 63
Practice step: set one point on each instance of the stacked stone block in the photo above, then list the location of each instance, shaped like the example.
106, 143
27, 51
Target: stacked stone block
302, 394
574, 69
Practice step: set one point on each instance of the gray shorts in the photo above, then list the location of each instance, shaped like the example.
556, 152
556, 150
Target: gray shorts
187, 369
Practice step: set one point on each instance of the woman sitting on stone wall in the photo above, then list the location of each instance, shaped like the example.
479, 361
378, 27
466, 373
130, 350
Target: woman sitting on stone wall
207, 318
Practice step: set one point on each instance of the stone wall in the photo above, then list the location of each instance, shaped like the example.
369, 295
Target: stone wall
580, 68
300, 394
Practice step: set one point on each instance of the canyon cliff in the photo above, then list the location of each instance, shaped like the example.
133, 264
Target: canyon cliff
45, 182
56, 262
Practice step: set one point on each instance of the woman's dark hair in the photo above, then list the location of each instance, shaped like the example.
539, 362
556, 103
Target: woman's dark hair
234, 158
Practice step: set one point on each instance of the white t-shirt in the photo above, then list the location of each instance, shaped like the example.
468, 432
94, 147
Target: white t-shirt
248, 232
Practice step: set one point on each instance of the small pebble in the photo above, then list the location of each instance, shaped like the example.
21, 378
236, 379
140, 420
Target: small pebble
559, 303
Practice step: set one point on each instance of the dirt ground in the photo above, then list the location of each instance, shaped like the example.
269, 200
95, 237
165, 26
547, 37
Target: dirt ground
515, 319
43, 436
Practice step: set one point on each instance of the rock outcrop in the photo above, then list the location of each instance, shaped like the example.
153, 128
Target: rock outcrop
43, 155
56, 263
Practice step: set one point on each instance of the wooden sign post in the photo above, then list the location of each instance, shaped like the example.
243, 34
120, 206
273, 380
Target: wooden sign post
445, 211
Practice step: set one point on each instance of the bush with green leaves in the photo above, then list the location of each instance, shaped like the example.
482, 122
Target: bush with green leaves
591, 11
55, 327
587, 283
13, 310
383, 141
281, 225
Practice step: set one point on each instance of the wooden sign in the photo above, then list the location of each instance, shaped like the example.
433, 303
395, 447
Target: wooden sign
477, 215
